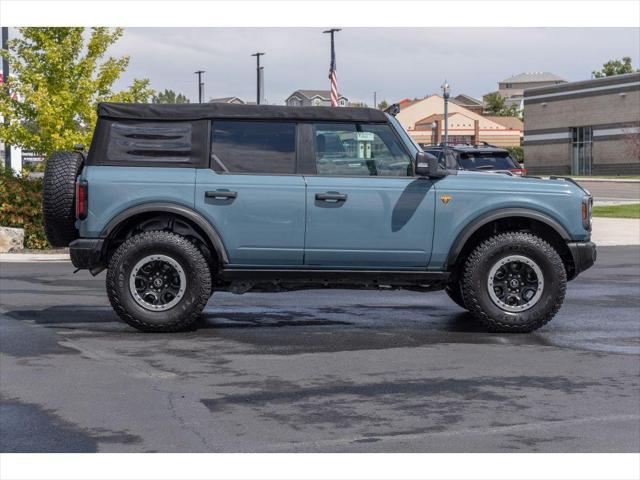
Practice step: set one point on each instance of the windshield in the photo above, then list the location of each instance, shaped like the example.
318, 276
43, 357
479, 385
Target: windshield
487, 161
409, 142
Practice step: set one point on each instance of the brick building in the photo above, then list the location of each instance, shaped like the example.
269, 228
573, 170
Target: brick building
584, 128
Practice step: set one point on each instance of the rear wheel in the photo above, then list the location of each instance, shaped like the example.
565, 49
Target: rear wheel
158, 282
514, 282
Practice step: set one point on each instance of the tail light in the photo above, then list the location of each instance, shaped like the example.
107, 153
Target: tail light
82, 200
518, 171
587, 205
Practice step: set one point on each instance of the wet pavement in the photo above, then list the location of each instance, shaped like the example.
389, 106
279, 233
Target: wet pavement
318, 370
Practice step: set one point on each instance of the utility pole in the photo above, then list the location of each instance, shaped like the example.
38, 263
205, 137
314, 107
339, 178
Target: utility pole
375, 99
200, 85
445, 94
5, 81
258, 75
332, 68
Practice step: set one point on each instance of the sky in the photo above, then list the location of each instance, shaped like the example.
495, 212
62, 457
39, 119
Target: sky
397, 62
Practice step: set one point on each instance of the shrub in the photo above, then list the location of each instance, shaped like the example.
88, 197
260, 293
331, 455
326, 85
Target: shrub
21, 206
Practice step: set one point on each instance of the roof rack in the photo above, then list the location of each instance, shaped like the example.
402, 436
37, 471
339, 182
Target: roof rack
463, 144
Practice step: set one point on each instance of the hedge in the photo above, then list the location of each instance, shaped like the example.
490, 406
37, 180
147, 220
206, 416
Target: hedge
21, 206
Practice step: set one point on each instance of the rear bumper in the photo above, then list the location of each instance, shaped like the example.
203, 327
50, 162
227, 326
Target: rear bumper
86, 253
584, 255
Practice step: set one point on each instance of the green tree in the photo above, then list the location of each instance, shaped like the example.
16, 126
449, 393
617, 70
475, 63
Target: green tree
615, 67
169, 96
383, 104
57, 80
495, 104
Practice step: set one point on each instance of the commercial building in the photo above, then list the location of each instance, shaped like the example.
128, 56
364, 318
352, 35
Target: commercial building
512, 88
316, 98
584, 128
424, 120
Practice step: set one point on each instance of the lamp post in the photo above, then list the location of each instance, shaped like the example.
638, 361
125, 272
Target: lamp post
258, 92
434, 139
200, 84
445, 94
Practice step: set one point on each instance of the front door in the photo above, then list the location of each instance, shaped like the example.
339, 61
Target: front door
365, 209
252, 195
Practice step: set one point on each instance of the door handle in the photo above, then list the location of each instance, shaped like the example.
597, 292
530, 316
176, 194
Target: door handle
331, 196
220, 194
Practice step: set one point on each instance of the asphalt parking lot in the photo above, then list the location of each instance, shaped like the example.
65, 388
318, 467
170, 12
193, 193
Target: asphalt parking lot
318, 371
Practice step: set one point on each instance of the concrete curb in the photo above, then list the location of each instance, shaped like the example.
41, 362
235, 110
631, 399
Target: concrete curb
33, 257
606, 180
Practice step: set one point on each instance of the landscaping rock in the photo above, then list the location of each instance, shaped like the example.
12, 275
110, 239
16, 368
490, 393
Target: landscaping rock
11, 239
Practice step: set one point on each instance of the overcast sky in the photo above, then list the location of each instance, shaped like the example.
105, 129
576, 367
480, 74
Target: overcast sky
397, 62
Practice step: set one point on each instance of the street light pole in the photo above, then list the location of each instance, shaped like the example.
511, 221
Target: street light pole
375, 99
258, 92
445, 94
199, 73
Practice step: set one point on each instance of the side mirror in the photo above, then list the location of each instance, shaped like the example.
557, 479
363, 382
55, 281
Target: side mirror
427, 165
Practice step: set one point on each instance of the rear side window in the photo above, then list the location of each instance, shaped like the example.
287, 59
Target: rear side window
487, 161
253, 147
154, 142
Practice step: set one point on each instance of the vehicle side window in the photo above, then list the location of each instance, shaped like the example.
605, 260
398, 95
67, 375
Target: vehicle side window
254, 147
452, 161
150, 142
358, 149
439, 155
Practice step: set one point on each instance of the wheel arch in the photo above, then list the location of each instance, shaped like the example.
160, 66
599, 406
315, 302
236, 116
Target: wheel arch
127, 218
519, 219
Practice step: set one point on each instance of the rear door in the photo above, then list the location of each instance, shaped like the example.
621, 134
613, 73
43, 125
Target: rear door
252, 193
364, 206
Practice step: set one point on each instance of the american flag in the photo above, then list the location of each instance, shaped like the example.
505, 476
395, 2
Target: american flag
332, 76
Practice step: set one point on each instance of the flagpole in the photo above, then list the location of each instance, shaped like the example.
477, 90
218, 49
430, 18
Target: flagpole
332, 68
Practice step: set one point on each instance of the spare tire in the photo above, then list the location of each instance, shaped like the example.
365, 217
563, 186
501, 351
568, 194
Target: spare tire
58, 197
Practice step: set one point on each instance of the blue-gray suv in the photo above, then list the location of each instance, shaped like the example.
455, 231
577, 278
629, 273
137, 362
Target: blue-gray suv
178, 201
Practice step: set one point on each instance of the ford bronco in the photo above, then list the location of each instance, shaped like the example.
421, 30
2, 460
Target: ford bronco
178, 201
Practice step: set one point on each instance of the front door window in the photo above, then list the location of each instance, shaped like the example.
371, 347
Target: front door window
351, 149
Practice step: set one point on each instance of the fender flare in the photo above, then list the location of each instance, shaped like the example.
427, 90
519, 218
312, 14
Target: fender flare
488, 217
181, 210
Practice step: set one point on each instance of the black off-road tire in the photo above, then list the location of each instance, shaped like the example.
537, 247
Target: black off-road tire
478, 266
454, 290
197, 290
59, 197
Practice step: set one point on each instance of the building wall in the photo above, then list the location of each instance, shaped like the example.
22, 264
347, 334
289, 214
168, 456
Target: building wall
461, 123
610, 106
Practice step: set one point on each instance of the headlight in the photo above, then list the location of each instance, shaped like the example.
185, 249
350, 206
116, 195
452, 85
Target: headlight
587, 204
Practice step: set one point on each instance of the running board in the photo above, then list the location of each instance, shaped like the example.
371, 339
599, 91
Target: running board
245, 279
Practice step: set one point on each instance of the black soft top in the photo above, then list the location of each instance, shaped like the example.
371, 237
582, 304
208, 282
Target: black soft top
202, 111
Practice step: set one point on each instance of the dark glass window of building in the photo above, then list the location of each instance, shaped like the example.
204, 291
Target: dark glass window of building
254, 147
581, 142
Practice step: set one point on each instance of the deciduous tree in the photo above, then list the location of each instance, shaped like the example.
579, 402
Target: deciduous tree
169, 96
615, 67
58, 77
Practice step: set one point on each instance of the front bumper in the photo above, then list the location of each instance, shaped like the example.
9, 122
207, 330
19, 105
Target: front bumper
86, 253
584, 256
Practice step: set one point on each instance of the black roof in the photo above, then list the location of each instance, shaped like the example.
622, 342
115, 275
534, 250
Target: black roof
201, 111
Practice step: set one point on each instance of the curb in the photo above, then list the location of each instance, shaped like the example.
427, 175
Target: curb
606, 180
34, 257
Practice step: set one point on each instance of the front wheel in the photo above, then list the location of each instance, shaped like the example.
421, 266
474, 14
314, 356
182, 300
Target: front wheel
158, 282
514, 282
